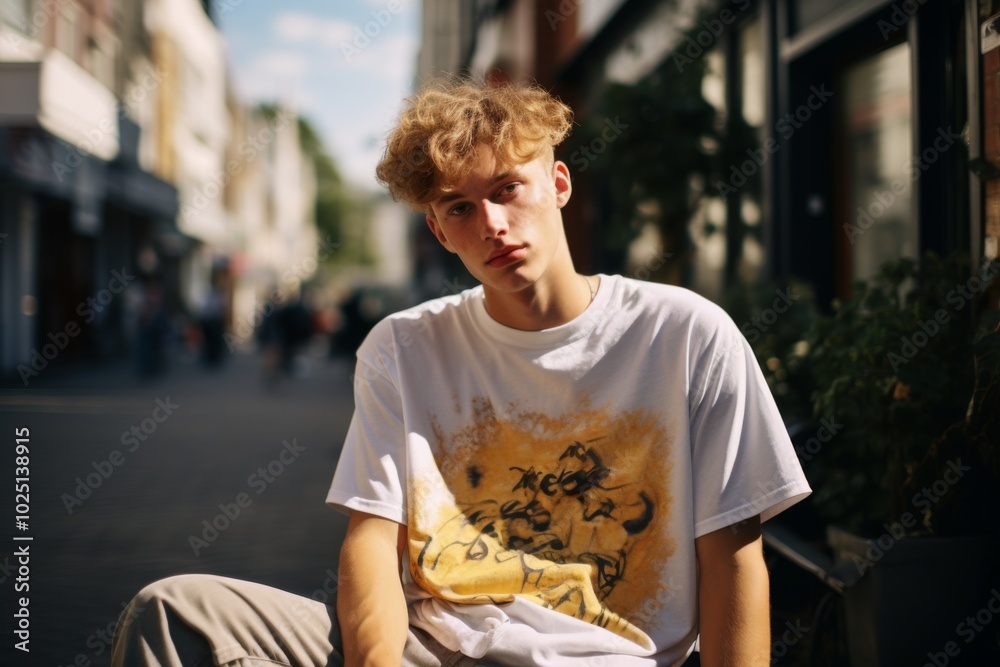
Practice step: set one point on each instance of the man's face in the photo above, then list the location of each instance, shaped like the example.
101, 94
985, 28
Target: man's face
504, 221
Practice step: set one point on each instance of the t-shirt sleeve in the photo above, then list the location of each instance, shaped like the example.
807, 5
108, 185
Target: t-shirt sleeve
743, 460
372, 467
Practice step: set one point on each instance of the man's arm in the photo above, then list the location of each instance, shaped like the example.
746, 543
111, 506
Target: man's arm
371, 609
733, 597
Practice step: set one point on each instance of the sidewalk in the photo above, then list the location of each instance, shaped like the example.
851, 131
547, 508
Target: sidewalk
192, 471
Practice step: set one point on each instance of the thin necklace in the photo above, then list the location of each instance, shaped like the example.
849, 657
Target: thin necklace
590, 287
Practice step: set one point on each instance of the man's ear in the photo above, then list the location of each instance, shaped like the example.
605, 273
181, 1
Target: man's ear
436, 230
563, 183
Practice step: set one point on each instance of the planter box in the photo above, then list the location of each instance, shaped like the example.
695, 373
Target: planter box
911, 606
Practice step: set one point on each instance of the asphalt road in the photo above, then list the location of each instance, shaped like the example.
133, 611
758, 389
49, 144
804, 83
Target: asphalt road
131, 481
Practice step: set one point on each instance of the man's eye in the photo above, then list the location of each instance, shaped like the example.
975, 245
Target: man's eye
461, 209
509, 189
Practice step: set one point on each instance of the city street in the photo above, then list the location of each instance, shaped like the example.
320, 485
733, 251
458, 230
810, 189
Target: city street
194, 471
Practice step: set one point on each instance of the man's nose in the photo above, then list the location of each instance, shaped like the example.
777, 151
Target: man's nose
494, 220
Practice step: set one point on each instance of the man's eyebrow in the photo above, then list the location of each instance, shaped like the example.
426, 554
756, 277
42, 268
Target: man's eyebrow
452, 196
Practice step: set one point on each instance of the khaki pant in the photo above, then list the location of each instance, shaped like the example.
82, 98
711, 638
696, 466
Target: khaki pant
198, 620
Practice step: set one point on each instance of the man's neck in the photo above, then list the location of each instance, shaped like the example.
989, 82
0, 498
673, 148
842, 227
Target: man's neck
556, 298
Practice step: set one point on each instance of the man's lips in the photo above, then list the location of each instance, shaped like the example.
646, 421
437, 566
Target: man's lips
507, 255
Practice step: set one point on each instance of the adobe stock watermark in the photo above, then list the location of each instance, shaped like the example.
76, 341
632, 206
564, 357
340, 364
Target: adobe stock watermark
381, 18
407, 332
107, 126
100, 640
565, 9
88, 309
793, 634
243, 330
584, 155
824, 434
760, 323
453, 286
883, 200
957, 297
652, 261
786, 127
901, 13
967, 629
925, 499
655, 601
303, 613
259, 481
44, 12
131, 439
765, 489
249, 148
7, 570
706, 38
225, 6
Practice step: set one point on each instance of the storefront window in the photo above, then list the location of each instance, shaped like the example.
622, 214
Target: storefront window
708, 225
751, 49
726, 229
880, 224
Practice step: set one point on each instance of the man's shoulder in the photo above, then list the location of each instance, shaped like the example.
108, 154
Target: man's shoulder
423, 321
677, 303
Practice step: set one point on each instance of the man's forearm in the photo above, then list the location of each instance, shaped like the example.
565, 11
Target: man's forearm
371, 609
734, 606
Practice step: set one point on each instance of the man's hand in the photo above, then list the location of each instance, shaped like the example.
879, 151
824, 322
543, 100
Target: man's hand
733, 597
371, 609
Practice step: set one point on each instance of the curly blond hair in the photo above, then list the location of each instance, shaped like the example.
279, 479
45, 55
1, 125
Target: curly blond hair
434, 144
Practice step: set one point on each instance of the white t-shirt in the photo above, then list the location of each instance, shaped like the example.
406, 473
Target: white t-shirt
553, 482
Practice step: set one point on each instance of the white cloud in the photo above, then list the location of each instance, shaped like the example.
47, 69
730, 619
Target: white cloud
274, 75
301, 60
376, 50
299, 28
294, 27
282, 63
389, 57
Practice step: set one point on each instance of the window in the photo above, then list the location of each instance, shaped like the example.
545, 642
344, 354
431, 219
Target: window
708, 225
727, 228
877, 120
752, 89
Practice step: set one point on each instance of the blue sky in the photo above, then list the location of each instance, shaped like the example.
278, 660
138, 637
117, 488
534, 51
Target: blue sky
305, 53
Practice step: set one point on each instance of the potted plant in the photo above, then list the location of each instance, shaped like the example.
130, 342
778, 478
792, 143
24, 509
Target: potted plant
910, 366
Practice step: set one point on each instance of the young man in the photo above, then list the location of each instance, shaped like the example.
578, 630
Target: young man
548, 469
568, 467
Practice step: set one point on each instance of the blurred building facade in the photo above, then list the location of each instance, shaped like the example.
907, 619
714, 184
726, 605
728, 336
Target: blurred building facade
128, 167
873, 123
78, 195
270, 200
192, 135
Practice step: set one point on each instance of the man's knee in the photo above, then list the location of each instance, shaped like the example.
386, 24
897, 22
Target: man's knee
149, 615
169, 594
177, 587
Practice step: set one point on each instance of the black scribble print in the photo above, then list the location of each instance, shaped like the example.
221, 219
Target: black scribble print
564, 514
469, 527
639, 524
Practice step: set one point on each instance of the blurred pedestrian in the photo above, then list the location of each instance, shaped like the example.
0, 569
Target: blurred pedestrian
153, 330
269, 336
213, 324
296, 331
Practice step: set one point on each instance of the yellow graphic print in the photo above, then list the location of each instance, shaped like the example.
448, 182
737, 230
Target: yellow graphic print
570, 512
